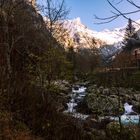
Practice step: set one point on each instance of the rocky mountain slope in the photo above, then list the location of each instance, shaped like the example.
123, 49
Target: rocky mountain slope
108, 41
75, 26
75, 33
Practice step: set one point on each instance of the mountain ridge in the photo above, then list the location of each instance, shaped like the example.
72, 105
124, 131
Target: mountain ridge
109, 42
110, 37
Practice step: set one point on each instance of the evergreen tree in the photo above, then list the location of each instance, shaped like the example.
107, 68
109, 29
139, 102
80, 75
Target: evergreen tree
130, 36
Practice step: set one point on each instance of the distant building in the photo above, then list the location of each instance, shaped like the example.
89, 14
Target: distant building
135, 56
129, 57
134, 50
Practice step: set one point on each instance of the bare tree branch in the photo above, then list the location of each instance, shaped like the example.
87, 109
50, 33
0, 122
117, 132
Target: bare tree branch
119, 2
118, 13
131, 2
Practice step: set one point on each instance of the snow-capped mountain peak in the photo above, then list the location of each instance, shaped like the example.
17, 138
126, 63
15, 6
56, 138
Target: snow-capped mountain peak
107, 36
77, 20
110, 37
109, 41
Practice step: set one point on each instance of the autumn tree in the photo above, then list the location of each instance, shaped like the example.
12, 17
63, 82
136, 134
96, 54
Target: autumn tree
21, 49
53, 13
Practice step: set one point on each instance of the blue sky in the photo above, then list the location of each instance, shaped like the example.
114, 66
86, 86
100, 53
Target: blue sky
86, 9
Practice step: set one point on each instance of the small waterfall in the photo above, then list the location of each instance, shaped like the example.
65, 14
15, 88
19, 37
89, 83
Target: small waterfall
78, 93
128, 108
129, 116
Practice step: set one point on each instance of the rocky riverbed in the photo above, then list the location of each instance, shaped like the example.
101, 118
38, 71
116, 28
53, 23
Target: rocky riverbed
95, 108
109, 101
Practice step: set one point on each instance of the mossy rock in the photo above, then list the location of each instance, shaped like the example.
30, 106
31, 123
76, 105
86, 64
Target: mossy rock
115, 131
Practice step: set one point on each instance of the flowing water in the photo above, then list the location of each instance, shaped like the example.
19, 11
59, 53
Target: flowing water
129, 117
77, 95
